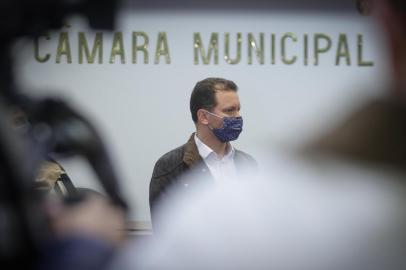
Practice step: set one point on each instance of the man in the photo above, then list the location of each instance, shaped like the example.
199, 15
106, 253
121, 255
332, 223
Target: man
215, 109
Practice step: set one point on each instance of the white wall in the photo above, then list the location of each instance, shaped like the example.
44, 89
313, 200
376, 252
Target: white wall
142, 109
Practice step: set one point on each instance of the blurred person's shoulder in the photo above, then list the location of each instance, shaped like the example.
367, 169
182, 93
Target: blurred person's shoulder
373, 135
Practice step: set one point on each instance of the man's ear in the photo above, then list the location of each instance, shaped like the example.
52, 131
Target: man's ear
202, 117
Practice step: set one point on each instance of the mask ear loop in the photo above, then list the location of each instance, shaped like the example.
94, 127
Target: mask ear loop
221, 117
214, 114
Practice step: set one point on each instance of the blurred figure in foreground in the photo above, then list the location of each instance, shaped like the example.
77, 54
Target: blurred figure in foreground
340, 204
86, 234
376, 133
81, 232
40, 230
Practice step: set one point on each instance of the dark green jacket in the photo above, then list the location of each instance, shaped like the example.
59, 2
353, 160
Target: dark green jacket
172, 166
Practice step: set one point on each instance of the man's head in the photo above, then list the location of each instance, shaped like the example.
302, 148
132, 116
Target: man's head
212, 101
204, 95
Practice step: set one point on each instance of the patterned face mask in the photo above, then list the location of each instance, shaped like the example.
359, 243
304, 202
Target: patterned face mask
230, 130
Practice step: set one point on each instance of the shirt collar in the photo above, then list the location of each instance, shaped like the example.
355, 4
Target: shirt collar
205, 151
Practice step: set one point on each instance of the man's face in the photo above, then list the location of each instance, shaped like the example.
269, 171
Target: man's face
228, 104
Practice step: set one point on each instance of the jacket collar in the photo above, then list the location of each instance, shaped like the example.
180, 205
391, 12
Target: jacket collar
191, 155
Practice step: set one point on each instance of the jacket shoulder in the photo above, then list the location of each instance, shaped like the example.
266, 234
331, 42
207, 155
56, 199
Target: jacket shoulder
169, 161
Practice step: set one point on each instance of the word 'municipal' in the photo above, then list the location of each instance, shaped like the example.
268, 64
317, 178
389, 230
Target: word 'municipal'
288, 48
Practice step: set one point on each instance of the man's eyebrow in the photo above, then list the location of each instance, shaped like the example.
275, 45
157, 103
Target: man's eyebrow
232, 107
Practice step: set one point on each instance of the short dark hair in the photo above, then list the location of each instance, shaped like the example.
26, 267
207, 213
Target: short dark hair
204, 94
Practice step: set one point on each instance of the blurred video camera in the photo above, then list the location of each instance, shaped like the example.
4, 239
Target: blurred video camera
23, 227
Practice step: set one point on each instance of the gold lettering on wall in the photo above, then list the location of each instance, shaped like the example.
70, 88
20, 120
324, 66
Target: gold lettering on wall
283, 48
63, 48
253, 45
38, 57
199, 48
342, 50
140, 47
317, 46
117, 48
96, 50
273, 49
227, 57
306, 49
360, 48
162, 48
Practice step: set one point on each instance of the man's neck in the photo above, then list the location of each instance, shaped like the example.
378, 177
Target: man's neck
209, 139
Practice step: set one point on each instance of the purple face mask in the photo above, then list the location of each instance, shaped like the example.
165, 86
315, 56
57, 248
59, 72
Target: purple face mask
230, 130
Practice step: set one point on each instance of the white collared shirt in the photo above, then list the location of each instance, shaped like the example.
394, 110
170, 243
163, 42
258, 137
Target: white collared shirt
222, 168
